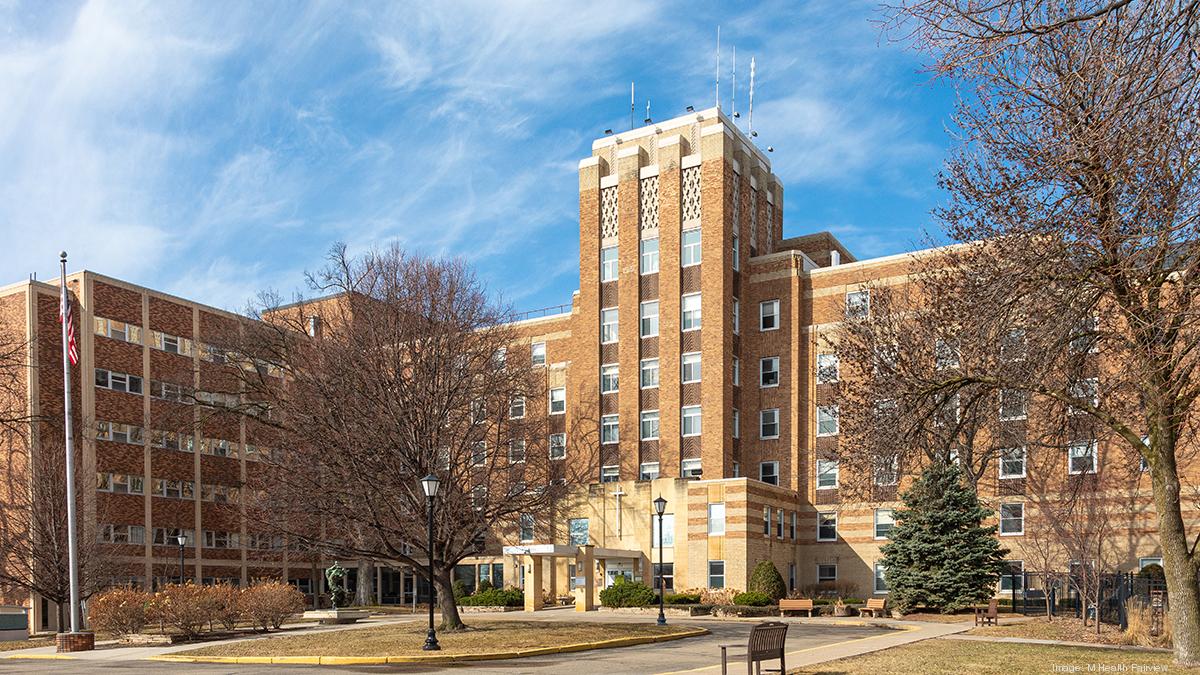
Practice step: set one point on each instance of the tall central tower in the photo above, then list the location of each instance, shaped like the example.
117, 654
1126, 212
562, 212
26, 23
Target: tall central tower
670, 215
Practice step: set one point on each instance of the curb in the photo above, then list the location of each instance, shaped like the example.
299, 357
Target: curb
431, 658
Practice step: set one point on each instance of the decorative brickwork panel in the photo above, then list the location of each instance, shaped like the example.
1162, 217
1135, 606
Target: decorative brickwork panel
608, 294
769, 244
648, 286
609, 352
1011, 486
689, 448
690, 195
753, 218
690, 279
608, 212
649, 348
689, 341
649, 399
608, 404
737, 202
689, 394
827, 496
648, 203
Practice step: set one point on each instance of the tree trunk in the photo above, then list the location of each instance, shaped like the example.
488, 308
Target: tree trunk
362, 589
1182, 591
62, 617
446, 602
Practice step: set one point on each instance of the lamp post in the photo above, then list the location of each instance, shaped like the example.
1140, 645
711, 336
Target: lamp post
660, 507
430, 485
182, 541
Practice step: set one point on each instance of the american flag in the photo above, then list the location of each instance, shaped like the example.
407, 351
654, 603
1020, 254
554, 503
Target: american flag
64, 314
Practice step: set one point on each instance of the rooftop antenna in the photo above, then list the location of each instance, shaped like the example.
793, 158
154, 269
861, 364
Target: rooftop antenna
751, 120
631, 104
733, 86
718, 90
648, 118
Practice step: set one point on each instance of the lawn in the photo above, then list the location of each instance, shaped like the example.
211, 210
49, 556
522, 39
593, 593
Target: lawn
25, 644
406, 639
1065, 629
952, 657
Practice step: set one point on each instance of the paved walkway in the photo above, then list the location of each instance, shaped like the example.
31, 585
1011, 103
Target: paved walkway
809, 641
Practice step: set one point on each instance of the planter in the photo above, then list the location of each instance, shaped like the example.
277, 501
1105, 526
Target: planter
745, 610
476, 609
329, 617
844, 610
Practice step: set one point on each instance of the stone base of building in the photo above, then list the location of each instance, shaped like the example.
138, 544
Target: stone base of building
75, 642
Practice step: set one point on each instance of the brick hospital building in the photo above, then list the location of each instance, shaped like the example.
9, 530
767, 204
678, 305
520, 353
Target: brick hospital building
696, 330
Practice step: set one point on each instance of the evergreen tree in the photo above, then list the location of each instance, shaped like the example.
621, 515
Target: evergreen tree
940, 554
766, 579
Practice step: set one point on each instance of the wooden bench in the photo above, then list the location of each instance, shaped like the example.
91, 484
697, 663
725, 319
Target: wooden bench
766, 643
874, 608
990, 615
798, 605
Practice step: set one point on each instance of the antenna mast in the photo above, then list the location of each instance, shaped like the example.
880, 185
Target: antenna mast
751, 120
733, 85
631, 104
648, 111
718, 89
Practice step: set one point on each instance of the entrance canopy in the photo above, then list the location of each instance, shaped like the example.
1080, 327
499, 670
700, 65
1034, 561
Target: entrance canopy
534, 553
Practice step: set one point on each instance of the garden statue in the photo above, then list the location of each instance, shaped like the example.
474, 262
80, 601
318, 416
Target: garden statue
335, 581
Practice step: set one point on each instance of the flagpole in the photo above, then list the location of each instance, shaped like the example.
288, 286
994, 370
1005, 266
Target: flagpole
72, 559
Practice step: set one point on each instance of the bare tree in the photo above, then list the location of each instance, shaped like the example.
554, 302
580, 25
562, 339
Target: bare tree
404, 367
1075, 199
33, 532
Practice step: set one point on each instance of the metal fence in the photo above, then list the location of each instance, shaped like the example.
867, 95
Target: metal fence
1061, 594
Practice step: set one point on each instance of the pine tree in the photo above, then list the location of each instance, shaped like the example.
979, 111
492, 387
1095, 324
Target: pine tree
940, 554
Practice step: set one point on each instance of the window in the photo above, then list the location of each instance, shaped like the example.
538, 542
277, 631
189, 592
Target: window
768, 423
690, 312
526, 524
1013, 404
858, 304
1086, 392
169, 536
577, 531
668, 530
500, 357
827, 368
108, 379
648, 471
121, 534
779, 523
945, 354
885, 520
887, 470
826, 573
609, 429
1082, 457
690, 422
827, 420
827, 526
768, 472
1086, 335
649, 427
558, 446
1013, 576
537, 353
118, 433
667, 573
690, 468
767, 521
608, 325
218, 447
608, 264
214, 539
716, 518
1012, 346
768, 315
169, 440
737, 470
118, 330
610, 474
792, 527
648, 377
168, 391
691, 367
1012, 462
479, 453
737, 319
558, 401
737, 372
737, 265
649, 318
172, 344
516, 408
737, 423
1143, 563
1012, 519
689, 247
716, 574
516, 451
608, 378
119, 483
880, 578
648, 253
827, 474
768, 371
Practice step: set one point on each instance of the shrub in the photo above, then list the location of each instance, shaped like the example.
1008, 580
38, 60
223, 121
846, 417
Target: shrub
458, 589
495, 597
186, 608
752, 599
718, 596
627, 594
120, 611
1153, 571
484, 585
268, 604
766, 579
685, 598
227, 609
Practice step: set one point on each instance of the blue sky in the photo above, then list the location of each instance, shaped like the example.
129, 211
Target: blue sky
216, 149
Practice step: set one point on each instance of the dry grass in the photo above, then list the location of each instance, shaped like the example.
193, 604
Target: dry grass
406, 639
1066, 629
952, 657
25, 644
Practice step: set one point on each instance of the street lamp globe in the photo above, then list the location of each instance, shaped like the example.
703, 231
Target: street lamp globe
430, 485
660, 506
